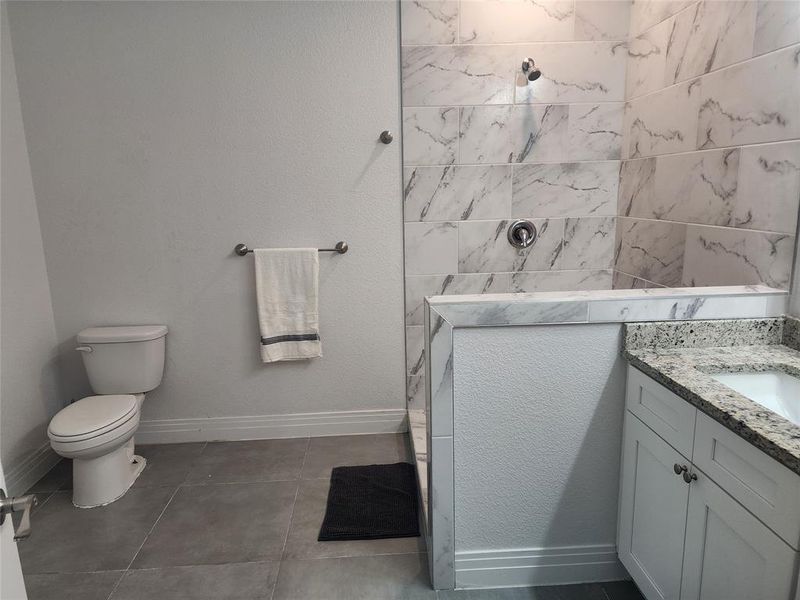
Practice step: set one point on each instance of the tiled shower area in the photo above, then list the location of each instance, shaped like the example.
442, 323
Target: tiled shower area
642, 154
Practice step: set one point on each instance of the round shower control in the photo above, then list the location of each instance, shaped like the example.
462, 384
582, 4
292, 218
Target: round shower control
521, 233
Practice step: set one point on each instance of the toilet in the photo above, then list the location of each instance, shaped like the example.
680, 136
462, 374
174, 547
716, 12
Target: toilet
96, 432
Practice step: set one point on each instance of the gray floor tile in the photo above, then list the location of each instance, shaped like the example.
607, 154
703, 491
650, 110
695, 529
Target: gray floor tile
225, 523
583, 591
239, 581
401, 576
167, 464
622, 590
66, 539
60, 586
57, 478
258, 460
309, 510
324, 453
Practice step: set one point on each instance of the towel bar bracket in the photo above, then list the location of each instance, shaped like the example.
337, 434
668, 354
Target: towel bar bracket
340, 248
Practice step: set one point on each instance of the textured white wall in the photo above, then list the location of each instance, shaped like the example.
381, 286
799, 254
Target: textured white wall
29, 392
161, 134
536, 445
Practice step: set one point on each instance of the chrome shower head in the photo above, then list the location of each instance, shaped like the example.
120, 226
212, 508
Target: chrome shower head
530, 69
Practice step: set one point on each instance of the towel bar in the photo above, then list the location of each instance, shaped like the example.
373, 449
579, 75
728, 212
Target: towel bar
340, 248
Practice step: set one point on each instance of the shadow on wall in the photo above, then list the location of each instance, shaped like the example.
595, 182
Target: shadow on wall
586, 479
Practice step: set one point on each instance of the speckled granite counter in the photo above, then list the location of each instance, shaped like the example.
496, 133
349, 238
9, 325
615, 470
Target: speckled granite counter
680, 356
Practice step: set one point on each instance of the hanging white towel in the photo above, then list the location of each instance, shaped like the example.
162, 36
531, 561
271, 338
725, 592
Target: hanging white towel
287, 286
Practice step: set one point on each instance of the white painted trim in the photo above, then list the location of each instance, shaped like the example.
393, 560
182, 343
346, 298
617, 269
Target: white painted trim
21, 476
265, 427
526, 567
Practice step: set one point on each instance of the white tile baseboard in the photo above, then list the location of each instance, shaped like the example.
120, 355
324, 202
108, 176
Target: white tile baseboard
264, 427
22, 475
527, 567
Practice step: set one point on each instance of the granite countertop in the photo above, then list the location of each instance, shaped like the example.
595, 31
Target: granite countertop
680, 356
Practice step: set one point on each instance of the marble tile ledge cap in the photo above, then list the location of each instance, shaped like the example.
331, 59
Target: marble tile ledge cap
604, 294
609, 306
681, 356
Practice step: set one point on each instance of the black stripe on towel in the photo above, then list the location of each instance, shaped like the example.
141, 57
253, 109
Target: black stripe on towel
298, 337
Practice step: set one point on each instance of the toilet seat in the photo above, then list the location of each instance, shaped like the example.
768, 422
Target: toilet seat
106, 417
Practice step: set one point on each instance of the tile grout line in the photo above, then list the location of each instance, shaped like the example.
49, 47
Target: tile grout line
161, 514
291, 519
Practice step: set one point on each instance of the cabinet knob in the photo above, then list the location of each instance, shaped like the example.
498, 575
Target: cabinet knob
689, 478
679, 469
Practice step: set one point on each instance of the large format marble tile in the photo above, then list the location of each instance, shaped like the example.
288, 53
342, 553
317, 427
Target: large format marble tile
442, 75
565, 189
456, 193
574, 72
647, 61
663, 309
431, 248
777, 25
483, 247
663, 122
646, 13
754, 101
553, 281
623, 281
588, 243
726, 256
708, 36
415, 392
430, 136
429, 21
636, 187
602, 19
415, 351
499, 21
769, 187
651, 250
698, 187
504, 134
595, 131
417, 288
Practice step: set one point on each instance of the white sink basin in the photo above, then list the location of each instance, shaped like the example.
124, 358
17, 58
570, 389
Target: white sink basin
775, 390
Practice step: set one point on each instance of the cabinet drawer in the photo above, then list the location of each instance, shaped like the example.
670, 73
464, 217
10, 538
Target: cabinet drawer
669, 415
760, 483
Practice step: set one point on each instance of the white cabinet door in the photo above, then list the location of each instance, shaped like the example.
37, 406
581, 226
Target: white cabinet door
652, 513
729, 554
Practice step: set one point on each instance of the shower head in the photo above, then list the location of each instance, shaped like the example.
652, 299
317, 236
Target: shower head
530, 69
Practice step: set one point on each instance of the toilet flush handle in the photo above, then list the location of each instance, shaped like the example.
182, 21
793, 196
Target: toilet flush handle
84, 349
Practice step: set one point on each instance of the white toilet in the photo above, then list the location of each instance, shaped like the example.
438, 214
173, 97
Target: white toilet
97, 432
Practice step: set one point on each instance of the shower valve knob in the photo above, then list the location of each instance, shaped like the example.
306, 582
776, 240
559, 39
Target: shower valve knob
386, 137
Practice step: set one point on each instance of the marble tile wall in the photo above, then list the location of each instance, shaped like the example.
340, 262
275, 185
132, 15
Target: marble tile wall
481, 148
710, 179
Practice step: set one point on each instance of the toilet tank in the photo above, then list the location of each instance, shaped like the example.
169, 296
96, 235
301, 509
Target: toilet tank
123, 360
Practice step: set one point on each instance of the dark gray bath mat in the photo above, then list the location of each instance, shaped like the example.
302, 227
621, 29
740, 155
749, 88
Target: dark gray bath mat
370, 503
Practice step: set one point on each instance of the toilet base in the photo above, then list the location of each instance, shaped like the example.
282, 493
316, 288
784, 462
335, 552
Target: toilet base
104, 479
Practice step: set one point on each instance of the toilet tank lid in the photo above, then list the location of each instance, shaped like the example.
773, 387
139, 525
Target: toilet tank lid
127, 333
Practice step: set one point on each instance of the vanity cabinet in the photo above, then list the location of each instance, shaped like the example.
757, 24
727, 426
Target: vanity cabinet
680, 534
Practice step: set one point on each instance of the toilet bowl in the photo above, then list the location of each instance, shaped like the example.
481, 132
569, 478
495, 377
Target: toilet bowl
97, 432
